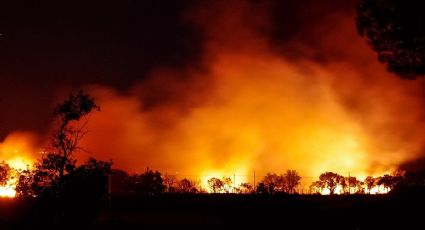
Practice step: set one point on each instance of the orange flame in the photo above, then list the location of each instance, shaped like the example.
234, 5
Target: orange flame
16, 151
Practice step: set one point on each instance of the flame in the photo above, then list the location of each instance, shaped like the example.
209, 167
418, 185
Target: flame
235, 178
16, 151
16, 164
377, 189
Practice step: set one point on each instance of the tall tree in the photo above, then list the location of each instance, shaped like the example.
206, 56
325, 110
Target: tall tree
291, 181
396, 31
216, 185
370, 183
49, 173
273, 183
330, 181
387, 181
227, 184
68, 133
353, 184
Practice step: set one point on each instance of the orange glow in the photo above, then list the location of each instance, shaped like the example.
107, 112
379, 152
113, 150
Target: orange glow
255, 106
377, 189
17, 151
258, 109
236, 180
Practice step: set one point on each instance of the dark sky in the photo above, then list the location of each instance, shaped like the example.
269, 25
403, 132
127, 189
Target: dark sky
46, 46
51, 47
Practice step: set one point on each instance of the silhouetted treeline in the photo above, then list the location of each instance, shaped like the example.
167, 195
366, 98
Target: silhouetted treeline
97, 180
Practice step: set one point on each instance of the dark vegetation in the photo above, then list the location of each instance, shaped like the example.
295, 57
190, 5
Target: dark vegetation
396, 31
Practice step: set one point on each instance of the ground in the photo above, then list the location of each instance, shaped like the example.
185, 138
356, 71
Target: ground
226, 211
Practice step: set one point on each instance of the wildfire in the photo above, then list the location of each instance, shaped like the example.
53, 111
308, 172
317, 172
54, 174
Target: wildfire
231, 180
255, 106
16, 165
16, 152
377, 189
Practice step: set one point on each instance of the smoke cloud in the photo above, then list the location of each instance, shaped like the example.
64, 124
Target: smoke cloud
315, 100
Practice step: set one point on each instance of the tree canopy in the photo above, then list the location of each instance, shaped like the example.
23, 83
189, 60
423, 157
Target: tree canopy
396, 31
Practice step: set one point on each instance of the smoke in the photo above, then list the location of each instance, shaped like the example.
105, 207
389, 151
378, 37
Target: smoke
314, 100
19, 149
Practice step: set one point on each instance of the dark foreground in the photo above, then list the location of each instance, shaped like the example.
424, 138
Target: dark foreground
227, 211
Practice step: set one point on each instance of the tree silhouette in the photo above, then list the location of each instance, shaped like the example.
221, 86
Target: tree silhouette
5, 172
273, 183
291, 180
187, 186
215, 184
148, 183
262, 188
343, 182
330, 181
170, 181
88, 180
414, 178
245, 188
370, 182
396, 31
65, 139
354, 185
48, 177
387, 181
227, 184
120, 182
317, 186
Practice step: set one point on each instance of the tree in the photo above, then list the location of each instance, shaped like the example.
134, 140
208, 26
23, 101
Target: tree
330, 181
24, 185
120, 182
344, 185
396, 31
148, 183
169, 181
387, 181
227, 184
370, 183
317, 187
414, 178
65, 139
352, 184
5, 172
291, 180
245, 188
215, 184
89, 180
187, 186
262, 188
273, 183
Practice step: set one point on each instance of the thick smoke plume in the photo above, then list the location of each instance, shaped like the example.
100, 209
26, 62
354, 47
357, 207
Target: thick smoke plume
315, 101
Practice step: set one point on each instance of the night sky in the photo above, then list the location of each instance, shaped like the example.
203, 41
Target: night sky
50, 48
